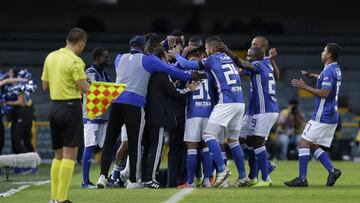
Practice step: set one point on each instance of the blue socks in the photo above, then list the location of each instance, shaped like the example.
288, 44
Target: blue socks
252, 163
215, 150
191, 163
304, 157
207, 162
322, 156
238, 156
261, 158
86, 162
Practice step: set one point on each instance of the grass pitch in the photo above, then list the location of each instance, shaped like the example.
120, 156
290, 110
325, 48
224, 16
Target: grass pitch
345, 190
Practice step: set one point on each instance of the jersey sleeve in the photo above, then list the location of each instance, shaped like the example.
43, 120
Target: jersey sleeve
45, 73
186, 64
91, 74
78, 72
327, 80
117, 60
153, 64
257, 66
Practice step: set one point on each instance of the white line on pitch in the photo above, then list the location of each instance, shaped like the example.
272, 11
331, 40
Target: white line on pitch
179, 195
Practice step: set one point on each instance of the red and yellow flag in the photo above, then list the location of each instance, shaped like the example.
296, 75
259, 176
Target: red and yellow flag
100, 96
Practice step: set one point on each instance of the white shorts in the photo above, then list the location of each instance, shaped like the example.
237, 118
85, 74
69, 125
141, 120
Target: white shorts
261, 124
194, 128
228, 115
94, 134
245, 127
124, 136
319, 133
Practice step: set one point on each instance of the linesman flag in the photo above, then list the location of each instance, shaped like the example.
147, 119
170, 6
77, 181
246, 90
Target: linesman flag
100, 96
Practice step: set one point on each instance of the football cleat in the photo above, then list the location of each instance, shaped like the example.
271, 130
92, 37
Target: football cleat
297, 182
333, 176
262, 183
241, 182
220, 177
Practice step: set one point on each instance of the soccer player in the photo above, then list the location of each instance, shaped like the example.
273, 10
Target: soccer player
257, 42
64, 77
94, 130
262, 112
228, 112
319, 131
198, 108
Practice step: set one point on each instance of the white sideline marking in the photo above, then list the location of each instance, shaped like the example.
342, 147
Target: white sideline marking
12, 191
179, 195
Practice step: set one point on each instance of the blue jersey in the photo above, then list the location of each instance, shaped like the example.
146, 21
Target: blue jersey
326, 108
226, 76
200, 102
100, 76
262, 89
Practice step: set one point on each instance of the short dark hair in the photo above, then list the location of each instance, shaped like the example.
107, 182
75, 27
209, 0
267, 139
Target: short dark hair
214, 41
98, 51
196, 39
177, 33
159, 52
76, 35
334, 49
192, 53
153, 41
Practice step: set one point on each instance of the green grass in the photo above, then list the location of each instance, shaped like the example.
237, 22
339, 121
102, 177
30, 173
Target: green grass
346, 189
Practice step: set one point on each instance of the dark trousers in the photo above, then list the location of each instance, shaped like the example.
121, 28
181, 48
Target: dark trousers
152, 142
177, 155
2, 134
133, 118
21, 123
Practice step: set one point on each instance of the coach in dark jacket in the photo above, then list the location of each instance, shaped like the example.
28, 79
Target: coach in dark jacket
158, 117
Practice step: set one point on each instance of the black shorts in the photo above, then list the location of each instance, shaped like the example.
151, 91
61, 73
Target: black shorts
66, 125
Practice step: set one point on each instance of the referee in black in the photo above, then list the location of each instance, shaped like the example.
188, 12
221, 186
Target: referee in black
64, 77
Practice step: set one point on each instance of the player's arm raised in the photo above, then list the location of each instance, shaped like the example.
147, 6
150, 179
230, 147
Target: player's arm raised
318, 92
272, 55
238, 61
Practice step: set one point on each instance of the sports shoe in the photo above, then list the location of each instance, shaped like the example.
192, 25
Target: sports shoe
332, 177
89, 185
241, 182
66, 201
152, 184
101, 182
186, 185
262, 183
124, 175
225, 183
197, 182
220, 177
272, 167
131, 185
112, 182
297, 182
206, 182
53, 201
253, 181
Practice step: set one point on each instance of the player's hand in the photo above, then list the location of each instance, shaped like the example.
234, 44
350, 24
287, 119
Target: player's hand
223, 48
192, 85
173, 52
195, 76
272, 53
188, 49
298, 83
307, 74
